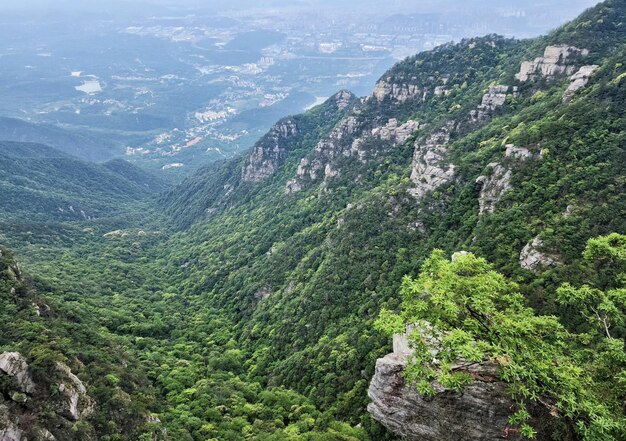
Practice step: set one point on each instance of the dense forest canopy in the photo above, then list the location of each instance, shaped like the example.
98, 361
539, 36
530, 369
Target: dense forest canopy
241, 303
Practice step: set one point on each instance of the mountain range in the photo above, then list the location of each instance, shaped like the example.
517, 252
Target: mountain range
241, 302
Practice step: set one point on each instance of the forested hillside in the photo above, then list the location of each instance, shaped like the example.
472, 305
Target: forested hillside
40, 183
247, 295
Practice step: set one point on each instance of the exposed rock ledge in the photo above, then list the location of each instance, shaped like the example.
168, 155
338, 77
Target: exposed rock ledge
579, 80
398, 92
479, 412
14, 365
495, 185
429, 169
556, 60
270, 152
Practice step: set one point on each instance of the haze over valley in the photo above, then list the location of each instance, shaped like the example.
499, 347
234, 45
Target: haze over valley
312, 220
172, 87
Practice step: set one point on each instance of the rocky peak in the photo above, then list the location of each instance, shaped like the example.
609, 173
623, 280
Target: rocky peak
270, 152
343, 99
556, 61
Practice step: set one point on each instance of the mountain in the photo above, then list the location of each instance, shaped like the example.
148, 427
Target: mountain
512, 150
41, 183
252, 307
13, 129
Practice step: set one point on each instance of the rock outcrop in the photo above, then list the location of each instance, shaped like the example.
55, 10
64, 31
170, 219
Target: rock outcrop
15, 366
401, 92
398, 134
75, 401
343, 99
491, 101
70, 401
579, 80
533, 257
479, 412
556, 61
348, 139
429, 169
498, 182
270, 152
493, 187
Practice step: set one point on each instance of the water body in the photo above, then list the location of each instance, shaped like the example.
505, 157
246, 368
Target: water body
90, 86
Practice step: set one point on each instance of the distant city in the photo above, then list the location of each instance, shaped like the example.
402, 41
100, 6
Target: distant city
173, 90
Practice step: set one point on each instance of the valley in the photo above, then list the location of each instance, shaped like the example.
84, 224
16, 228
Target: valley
477, 186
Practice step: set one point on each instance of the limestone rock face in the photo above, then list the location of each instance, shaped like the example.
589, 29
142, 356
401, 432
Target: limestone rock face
396, 92
428, 170
399, 134
579, 80
343, 99
270, 152
534, 258
480, 412
556, 61
517, 152
495, 185
492, 100
76, 402
14, 365
71, 402
348, 139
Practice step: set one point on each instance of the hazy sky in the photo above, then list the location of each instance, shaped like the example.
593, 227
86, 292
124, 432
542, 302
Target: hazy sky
354, 5
541, 15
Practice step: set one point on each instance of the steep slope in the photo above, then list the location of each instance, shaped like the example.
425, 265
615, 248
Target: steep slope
256, 316
222, 184
60, 377
41, 183
471, 146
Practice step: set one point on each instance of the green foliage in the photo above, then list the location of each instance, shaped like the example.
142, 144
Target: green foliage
461, 312
246, 312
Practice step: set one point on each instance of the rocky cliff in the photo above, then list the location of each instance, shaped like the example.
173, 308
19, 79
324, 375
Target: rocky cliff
24, 400
479, 412
270, 152
556, 61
